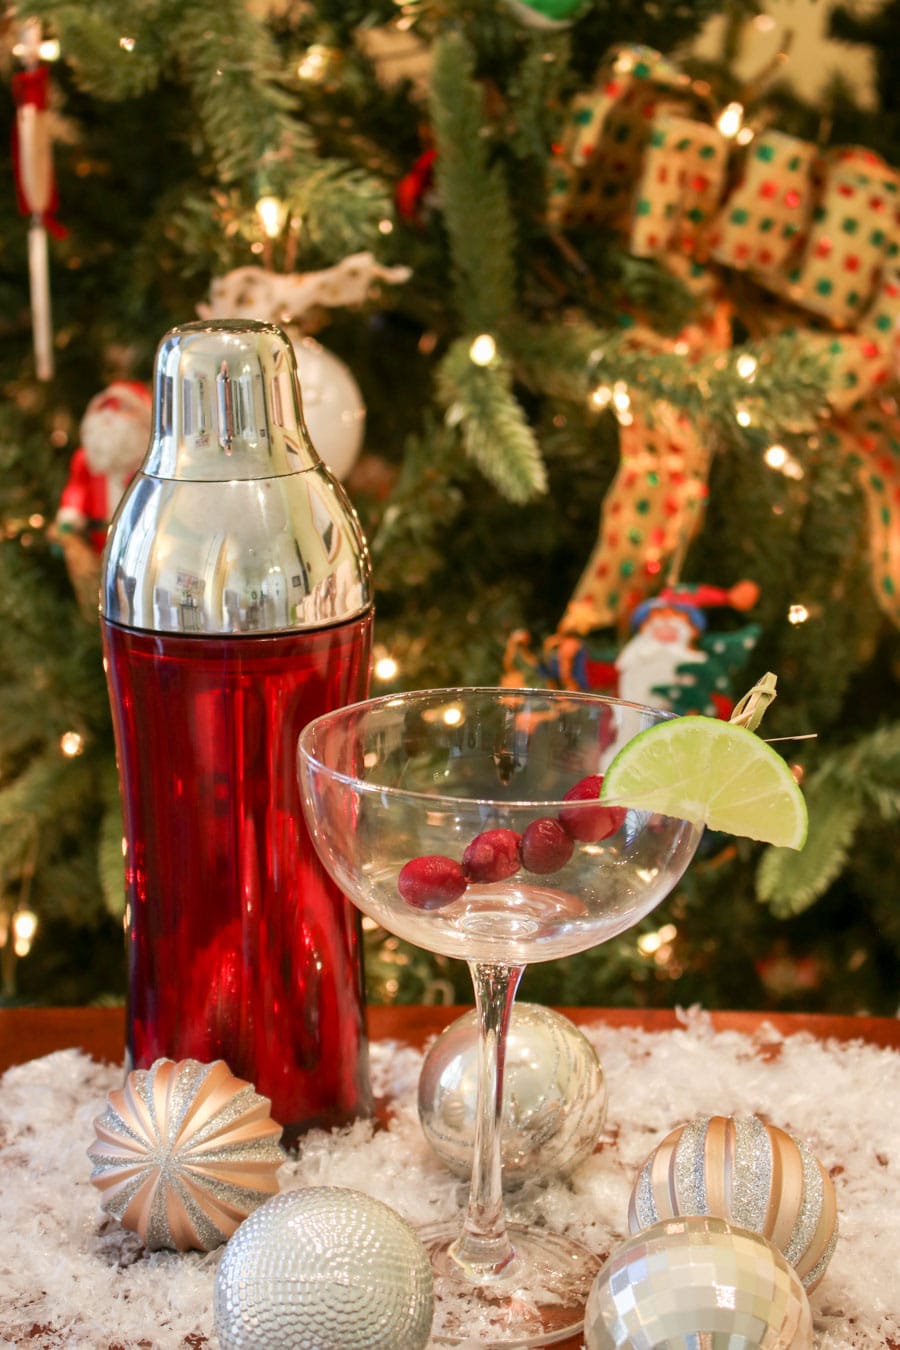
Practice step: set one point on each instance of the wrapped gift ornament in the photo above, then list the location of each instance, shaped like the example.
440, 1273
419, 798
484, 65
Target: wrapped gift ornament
760, 227
697, 1281
554, 1099
324, 1268
748, 1173
681, 183
184, 1152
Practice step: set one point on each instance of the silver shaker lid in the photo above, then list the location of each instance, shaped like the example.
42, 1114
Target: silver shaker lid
233, 524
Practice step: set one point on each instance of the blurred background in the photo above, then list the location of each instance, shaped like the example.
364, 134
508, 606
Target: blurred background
595, 308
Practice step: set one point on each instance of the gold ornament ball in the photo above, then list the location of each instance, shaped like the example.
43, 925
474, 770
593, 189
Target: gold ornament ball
749, 1173
184, 1152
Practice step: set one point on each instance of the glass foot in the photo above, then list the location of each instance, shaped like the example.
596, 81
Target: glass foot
538, 1299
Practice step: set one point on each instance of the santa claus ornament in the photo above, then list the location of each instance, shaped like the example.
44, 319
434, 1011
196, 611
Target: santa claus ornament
114, 434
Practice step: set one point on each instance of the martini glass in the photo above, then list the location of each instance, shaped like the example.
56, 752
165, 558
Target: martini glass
443, 815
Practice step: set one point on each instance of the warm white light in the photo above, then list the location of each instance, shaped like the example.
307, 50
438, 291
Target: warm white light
600, 397
48, 50
24, 926
776, 457
127, 44
745, 136
648, 943
453, 716
621, 397
731, 119
36, 521
798, 614
385, 226
314, 65
385, 668
742, 417
71, 744
764, 23
483, 350
746, 366
271, 214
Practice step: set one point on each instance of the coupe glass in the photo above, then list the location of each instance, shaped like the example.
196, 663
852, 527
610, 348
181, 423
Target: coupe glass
390, 785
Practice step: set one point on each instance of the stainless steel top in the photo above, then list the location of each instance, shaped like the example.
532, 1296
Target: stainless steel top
233, 524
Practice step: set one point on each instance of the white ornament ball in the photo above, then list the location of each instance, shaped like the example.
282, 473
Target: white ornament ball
324, 1268
554, 1095
333, 406
697, 1281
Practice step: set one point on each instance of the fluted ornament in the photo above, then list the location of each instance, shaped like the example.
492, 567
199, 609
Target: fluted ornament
749, 1173
184, 1152
697, 1281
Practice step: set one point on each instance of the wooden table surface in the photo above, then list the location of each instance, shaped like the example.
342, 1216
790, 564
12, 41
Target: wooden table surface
26, 1033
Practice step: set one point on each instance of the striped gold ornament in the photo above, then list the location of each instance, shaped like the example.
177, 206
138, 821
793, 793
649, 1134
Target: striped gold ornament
184, 1152
746, 1172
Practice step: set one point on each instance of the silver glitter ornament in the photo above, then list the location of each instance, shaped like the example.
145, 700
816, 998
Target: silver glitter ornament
554, 1097
324, 1268
749, 1173
697, 1281
184, 1152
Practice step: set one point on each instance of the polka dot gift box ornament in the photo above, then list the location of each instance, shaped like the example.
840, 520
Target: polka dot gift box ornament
324, 1268
697, 1281
554, 1100
184, 1152
748, 1173
681, 182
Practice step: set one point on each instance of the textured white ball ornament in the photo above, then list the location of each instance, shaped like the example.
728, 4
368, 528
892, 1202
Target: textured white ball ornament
324, 1268
749, 1173
697, 1281
554, 1095
333, 406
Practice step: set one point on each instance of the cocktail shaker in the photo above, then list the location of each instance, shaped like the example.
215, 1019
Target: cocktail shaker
236, 605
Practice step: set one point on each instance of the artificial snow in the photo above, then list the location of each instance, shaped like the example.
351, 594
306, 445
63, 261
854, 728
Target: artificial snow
70, 1277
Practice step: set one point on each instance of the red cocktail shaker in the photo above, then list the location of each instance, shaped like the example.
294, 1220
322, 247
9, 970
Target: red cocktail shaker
236, 606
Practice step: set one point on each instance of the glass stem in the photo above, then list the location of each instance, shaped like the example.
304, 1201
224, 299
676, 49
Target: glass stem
484, 1247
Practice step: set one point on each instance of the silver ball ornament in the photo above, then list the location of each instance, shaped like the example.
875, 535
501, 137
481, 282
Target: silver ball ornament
324, 1268
697, 1281
554, 1095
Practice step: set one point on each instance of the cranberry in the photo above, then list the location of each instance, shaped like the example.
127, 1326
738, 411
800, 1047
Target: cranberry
431, 882
590, 824
546, 846
493, 855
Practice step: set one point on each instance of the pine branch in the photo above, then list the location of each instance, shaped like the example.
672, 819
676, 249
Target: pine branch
496, 433
473, 193
788, 881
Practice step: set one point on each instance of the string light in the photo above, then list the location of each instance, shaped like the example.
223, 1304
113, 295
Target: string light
731, 119
745, 135
742, 416
71, 744
452, 716
48, 49
24, 927
483, 350
385, 226
798, 614
746, 366
385, 668
600, 397
127, 44
272, 214
777, 458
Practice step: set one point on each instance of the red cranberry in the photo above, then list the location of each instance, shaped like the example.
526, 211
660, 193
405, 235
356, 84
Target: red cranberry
590, 825
431, 882
546, 846
493, 855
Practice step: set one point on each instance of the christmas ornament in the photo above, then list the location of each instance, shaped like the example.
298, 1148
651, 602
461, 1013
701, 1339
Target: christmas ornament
554, 1098
671, 661
333, 406
697, 1281
278, 297
184, 1152
547, 14
761, 227
749, 1173
113, 435
236, 606
35, 185
412, 191
681, 182
324, 1269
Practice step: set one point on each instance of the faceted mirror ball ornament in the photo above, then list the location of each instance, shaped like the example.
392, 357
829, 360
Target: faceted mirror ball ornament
750, 1173
554, 1096
333, 406
697, 1282
324, 1269
184, 1152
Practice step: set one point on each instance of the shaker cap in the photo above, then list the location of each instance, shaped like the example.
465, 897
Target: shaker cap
227, 404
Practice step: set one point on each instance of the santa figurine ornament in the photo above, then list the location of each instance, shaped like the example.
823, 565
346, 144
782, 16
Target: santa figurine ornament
113, 435
672, 662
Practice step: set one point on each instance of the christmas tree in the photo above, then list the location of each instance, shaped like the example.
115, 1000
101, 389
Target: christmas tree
624, 330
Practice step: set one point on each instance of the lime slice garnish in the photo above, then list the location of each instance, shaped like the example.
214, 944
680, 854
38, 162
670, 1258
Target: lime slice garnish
713, 773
